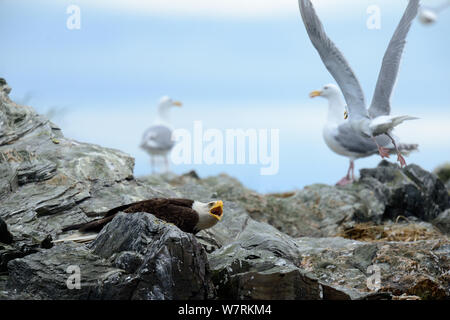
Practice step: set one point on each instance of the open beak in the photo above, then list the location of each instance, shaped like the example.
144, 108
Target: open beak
315, 93
217, 210
177, 103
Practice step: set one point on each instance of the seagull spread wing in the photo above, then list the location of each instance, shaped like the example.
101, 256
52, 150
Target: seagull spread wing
391, 62
334, 61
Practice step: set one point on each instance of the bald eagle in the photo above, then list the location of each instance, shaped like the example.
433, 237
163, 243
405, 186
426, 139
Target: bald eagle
188, 215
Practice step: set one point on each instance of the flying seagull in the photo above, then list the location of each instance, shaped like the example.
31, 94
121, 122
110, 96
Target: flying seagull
188, 215
377, 120
340, 137
428, 16
157, 140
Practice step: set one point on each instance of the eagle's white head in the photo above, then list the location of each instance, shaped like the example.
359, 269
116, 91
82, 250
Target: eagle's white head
209, 213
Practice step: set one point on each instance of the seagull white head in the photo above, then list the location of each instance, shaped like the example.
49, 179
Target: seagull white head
168, 102
332, 93
164, 106
328, 91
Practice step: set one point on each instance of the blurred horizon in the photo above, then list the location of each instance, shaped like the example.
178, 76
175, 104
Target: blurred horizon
235, 64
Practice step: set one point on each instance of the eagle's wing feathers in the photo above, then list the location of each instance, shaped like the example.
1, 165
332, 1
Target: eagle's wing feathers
176, 211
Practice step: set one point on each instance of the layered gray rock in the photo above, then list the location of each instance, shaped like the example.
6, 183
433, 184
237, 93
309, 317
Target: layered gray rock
49, 181
411, 191
383, 193
52, 274
256, 261
21, 247
135, 257
169, 263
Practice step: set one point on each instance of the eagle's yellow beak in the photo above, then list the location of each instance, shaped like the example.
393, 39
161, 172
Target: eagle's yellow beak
217, 210
177, 103
315, 93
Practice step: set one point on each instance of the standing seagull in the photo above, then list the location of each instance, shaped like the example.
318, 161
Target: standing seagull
157, 140
377, 120
343, 140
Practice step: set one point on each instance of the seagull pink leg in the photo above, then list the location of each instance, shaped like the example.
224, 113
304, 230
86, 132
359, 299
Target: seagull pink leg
399, 155
152, 161
352, 165
401, 160
346, 180
384, 153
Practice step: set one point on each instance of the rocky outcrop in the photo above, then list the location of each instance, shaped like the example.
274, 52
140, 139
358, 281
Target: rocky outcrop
382, 237
168, 263
409, 192
53, 274
134, 257
253, 260
50, 181
383, 193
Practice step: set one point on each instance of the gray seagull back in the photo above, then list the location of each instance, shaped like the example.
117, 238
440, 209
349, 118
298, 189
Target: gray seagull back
359, 144
157, 138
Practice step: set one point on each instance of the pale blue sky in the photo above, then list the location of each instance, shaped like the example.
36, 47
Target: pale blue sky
251, 56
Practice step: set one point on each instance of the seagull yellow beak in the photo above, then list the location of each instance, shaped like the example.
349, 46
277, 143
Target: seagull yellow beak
217, 210
177, 103
314, 94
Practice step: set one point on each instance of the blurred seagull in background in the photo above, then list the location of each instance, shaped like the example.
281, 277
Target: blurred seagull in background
376, 121
342, 139
157, 140
428, 16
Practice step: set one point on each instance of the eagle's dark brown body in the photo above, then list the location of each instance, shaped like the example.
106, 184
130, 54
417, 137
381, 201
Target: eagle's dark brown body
176, 211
